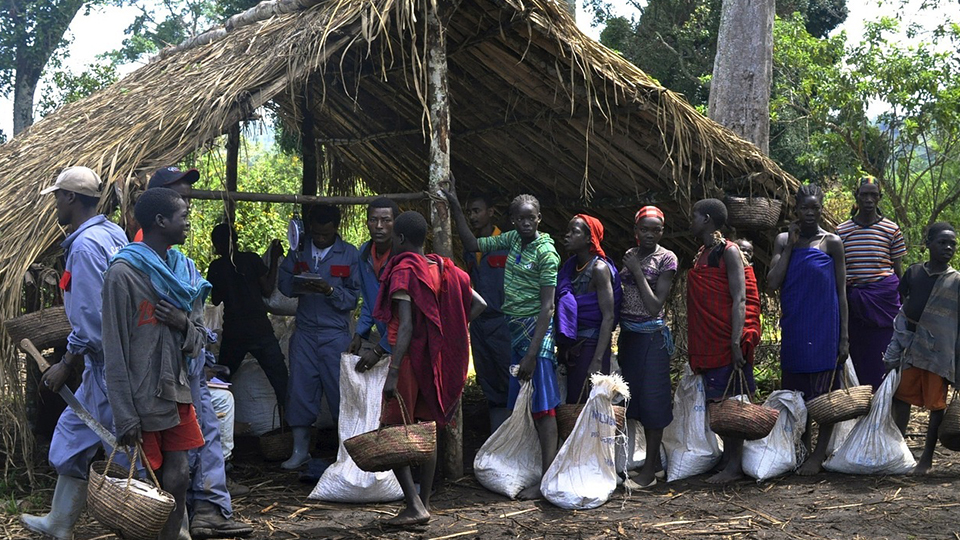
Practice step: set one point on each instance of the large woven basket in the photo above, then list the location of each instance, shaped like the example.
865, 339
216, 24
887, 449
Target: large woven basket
752, 213
840, 405
130, 508
567, 415
47, 328
392, 447
949, 432
741, 419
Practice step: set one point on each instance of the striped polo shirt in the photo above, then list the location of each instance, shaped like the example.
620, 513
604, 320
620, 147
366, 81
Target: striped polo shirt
527, 270
870, 250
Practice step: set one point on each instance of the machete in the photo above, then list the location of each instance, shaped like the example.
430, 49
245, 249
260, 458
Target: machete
82, 413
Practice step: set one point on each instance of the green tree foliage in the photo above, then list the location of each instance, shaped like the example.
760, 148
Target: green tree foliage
911, 142
64, 86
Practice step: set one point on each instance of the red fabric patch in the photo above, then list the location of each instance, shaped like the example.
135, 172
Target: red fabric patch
340, 270
146, 311
497, 261
300, 268
544, 414
184, 436
65, 281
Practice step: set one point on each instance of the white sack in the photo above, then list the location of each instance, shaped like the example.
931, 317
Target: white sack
510, 460
875, 445
584, 474
691, 447
842, 429
360, 405
278, 303
781, 451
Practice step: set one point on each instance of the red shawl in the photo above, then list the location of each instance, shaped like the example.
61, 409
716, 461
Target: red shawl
596, 233
439, 348
708, 317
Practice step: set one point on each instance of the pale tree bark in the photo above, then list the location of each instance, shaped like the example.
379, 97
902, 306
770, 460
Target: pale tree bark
743, 70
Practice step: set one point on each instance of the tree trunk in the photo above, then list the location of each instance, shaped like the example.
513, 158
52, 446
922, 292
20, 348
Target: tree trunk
25, 87
743, 70
452, 458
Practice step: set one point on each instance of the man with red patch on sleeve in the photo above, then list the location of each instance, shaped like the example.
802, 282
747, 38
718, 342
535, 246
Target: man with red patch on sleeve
325, 276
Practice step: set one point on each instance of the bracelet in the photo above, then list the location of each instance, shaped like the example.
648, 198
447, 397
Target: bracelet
393, 367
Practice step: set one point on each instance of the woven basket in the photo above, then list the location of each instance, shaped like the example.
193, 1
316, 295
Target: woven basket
130, 508
741, 420
567, 415
47, 328
392, 447
949, 432
277, 444
840, 405
752, 213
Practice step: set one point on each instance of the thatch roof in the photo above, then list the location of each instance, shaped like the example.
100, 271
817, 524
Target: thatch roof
536, 107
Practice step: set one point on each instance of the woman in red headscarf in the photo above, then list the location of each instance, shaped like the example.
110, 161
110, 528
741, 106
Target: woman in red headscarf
588, 300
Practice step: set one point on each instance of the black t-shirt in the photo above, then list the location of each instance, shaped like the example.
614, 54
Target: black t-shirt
237, 285
916, 286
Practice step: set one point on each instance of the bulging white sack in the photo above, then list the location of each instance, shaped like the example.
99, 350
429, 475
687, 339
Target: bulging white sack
842, 429
510, 459
361, 399
781, 451
691, 447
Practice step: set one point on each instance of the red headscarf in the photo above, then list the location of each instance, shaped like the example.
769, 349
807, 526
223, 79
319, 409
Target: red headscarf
596, 233
648, 211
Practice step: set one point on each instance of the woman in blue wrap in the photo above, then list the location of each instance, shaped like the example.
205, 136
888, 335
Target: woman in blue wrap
808, 268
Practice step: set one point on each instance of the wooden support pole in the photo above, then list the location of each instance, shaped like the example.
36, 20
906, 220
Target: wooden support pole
233, 159
439, 159
297, 199
308, 147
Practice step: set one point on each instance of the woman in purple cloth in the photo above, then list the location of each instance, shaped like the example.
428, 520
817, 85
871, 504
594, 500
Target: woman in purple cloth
807, 264
646, 344
873, 247
588, 302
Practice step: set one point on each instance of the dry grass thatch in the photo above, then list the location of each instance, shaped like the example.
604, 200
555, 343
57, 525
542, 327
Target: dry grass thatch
536, 106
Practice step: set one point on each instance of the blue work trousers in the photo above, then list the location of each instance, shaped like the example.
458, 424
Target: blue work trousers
314, 374
74, 445
208, 477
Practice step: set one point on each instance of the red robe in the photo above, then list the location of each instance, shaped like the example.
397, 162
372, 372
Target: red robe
709, 324
439, 349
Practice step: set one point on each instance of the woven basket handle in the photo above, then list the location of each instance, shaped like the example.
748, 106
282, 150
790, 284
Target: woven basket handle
743, 379
146, 464
403, 411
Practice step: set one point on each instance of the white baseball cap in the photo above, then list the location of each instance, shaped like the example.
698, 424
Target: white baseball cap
82, 180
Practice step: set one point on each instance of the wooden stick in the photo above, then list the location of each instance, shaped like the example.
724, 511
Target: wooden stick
464, 533
297, 199
518, 512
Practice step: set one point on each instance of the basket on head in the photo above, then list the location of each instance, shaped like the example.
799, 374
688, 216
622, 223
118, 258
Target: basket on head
568, 413
741, 419
752, 213
949, 432
131, 508
840, 405
392, 447
47, 328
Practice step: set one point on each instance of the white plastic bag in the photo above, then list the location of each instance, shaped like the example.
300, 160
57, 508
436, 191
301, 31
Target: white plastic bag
875, 445
278, 303
510, 460
782, 450
691, 447
842, 429
360, 404
584, 473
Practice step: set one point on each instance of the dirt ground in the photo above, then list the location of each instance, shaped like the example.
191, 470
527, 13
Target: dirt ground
825, 506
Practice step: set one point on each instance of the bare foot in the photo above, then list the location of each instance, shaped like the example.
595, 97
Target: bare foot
922, 468
531, 493
725, 477
646, 477
408, 518
810, 467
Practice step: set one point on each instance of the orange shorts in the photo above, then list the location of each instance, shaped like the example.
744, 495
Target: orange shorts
922, 388
415, 403
185, 436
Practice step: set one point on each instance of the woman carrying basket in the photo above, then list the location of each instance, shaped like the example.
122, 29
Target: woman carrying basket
723, 315
427, 303
808, 264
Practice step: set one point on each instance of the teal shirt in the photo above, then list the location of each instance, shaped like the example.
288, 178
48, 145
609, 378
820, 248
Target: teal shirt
528, 269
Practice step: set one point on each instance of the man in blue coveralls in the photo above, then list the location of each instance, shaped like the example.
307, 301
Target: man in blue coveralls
92, 242
209, 499
325, 276
489, 336
374, 256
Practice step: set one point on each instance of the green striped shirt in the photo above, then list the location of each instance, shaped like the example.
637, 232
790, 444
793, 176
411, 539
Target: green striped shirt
527, 270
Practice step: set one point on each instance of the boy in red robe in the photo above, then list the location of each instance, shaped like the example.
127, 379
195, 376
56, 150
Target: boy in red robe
427, 304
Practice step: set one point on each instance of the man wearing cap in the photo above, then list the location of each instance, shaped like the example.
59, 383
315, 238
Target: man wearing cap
209, 499
92, 242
